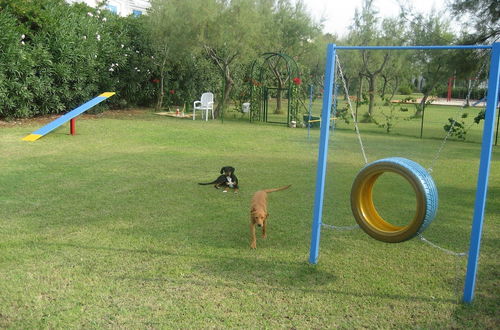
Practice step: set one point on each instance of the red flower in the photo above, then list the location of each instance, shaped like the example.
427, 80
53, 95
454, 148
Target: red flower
172, 92
155, 81
297, 81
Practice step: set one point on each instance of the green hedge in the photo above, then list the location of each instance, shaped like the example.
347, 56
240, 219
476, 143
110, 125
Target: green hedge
54, 56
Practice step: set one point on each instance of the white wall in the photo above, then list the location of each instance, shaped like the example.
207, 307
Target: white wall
123, 7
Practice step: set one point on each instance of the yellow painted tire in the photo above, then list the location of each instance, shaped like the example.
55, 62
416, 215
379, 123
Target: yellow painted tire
366, 214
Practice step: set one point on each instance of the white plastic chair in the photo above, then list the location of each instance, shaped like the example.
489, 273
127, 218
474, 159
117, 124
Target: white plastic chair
206, 104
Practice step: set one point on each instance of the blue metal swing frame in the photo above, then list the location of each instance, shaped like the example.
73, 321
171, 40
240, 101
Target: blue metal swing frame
484, 164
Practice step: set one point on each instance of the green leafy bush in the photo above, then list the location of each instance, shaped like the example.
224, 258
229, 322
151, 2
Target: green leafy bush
56, 56
388, 120
457, 127
405, 90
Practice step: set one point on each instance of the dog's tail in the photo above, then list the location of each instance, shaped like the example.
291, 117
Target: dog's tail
207, 183
277, 189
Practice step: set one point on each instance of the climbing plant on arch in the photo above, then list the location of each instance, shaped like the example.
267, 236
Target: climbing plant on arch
274, 75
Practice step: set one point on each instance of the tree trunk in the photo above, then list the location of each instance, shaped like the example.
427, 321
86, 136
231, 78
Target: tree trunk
228, 86
423, 102
275, 71
421, 106
371, 94
358, 97
395, 88
278, 96
278, 102
384, 86
161, 95
372, 77
223, 64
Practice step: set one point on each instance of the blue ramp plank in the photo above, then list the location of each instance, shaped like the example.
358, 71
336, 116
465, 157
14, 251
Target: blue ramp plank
65, 118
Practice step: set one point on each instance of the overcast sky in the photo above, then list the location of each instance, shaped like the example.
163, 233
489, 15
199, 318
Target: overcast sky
339, 13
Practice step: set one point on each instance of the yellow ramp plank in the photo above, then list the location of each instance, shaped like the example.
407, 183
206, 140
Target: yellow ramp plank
32, 137
107, 94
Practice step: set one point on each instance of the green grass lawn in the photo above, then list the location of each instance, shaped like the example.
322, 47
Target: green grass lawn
109, 228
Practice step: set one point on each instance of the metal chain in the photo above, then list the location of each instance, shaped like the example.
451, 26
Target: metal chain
352, 111
438, 153
458, 254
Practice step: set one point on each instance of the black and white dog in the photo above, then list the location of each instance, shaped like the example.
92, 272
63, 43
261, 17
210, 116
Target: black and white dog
227, 179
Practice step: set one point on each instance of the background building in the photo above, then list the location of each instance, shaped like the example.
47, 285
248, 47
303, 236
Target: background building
121, 7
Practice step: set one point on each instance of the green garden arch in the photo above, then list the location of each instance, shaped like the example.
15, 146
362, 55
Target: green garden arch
274, 74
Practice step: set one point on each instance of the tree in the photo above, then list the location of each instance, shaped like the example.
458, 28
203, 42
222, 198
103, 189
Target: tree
315, 60
366, 31
485, 15
433, 65
397, 69
231, 36
293, 33
485, 28
175, 27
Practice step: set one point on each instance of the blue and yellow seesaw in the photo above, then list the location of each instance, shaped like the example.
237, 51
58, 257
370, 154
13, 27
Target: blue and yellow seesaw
69, 116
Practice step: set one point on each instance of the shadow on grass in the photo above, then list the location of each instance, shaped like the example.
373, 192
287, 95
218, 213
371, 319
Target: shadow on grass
259, 271
252, 271
293, 276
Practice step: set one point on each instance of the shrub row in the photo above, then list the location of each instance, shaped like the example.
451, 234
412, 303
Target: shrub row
54, 56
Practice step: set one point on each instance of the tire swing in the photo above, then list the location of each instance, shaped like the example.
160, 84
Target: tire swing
366, 214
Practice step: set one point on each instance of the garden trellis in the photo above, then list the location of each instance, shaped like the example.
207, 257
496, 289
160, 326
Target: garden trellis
484, 164
261, 86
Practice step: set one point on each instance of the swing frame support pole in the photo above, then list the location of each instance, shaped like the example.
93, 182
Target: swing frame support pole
498, 122
484, 170
484, 162
322, 154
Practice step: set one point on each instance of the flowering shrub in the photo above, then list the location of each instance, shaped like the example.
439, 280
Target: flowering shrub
298, 95
56, 56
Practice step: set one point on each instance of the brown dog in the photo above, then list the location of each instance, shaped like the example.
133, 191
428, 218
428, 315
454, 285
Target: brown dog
258, 213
